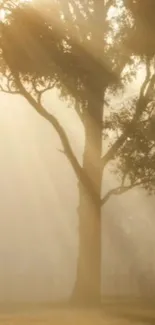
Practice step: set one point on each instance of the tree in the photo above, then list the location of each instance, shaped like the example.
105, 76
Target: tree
71, 46
141, 13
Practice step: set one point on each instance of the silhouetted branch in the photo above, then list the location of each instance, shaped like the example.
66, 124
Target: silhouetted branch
41, 92
7, 91
53, 120
81, 175
141, 105
148, 74
122, 189
79, 111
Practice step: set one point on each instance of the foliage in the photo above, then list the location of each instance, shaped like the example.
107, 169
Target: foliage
141, 37
42, 46
74, 46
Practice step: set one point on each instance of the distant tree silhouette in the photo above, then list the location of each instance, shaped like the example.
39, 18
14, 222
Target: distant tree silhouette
72, 45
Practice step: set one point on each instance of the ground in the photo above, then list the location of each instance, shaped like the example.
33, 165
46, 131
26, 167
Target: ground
108, 314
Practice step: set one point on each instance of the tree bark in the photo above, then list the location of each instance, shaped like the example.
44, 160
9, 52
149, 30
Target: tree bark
88, 283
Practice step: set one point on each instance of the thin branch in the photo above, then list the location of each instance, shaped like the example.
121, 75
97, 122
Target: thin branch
40, 93
78, 111
148, 74
53, 120
115, 191
7, 91
141, 104
80, 173
119, 190
123, 189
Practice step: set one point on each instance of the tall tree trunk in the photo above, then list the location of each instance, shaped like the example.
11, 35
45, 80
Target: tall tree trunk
88, 283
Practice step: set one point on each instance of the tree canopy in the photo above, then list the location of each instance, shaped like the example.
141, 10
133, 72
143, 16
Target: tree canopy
46, 46
141, 37
74, 46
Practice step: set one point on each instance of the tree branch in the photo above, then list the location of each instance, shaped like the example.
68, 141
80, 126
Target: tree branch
80, 173
40, 93
141, 105
122, 189
116, 191
53, 120
6, 91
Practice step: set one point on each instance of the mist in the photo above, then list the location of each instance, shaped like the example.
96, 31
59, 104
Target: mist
39, 221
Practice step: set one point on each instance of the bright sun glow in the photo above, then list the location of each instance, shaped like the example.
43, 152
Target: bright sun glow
113, 12
3, 12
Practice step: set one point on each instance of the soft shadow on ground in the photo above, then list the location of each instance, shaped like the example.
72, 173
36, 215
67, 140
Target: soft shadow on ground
136, 311
107, 314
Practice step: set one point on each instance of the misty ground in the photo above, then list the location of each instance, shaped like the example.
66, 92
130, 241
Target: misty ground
110, 313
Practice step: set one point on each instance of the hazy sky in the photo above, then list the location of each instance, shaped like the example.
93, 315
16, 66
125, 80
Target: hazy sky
38, 219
